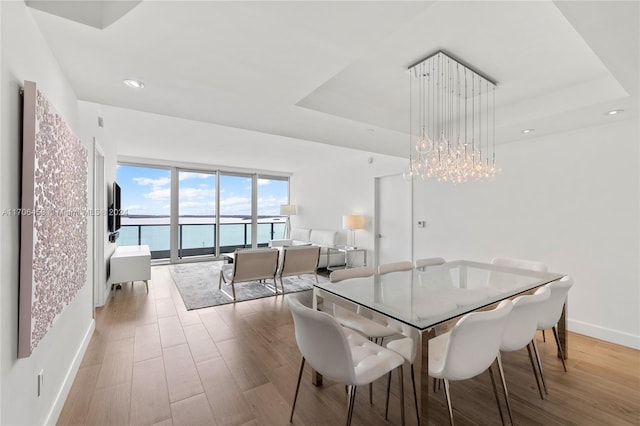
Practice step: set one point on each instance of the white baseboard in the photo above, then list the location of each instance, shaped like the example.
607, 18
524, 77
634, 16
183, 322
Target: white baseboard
105, 296
56, 409
603, 333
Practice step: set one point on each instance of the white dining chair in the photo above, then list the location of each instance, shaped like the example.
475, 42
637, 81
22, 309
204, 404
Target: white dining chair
504, 281
355, 320
344, 274
551, 310
405, 347
339, 353
423, 263
520, 331
359, 320
513, 262
469, 349
386, 268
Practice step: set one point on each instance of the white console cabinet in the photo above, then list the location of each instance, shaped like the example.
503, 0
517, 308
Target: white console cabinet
129, 264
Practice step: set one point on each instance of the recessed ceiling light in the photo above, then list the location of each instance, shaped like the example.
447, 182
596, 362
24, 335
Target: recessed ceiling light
614, 111
525, 131
136, 84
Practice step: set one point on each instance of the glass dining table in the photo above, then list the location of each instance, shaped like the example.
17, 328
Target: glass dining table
419, 300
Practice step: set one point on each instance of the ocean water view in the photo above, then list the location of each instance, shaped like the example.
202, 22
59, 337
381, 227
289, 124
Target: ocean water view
197, 232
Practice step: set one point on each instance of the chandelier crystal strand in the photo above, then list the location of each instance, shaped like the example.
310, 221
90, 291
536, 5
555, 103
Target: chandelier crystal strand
455, 141
407, 173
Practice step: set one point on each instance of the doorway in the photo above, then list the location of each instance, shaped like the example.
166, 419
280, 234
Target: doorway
99, 227
394, 217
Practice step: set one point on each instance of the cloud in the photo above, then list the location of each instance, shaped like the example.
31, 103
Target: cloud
154, 183
270, 205
262, 182
159, 194
235, 205
194, 175
200, 193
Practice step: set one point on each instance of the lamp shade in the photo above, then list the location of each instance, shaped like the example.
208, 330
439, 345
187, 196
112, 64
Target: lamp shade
287, 209
353, 221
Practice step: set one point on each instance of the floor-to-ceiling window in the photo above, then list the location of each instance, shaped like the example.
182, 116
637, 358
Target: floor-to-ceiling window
235, 212
196, 213
215, 212
146, 200
273, 191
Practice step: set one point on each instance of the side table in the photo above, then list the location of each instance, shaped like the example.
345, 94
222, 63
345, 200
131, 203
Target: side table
349, 252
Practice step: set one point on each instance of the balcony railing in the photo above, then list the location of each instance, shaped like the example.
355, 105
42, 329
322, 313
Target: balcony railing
198, 239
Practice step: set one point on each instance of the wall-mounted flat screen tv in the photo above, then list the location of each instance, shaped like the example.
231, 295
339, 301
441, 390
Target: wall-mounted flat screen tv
115, 209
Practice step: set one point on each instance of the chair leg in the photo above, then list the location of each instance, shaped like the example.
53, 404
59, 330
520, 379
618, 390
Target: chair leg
448, 397
504, 387
555, 334
233, 288
544, 338
495, 392
374, 340
295, 397
386, 409
535, 373
537, 354
281, 286
415, 394
352, 400
401, 394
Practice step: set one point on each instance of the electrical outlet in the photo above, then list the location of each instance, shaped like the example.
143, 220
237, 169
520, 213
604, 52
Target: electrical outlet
40, 382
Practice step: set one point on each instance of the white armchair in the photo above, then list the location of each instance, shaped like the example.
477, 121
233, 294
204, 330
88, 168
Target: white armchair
249, 265
298, 261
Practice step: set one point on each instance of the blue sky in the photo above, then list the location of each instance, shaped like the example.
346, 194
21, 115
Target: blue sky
147, 190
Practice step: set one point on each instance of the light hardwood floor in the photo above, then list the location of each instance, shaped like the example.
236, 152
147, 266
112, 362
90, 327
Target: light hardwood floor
151, 362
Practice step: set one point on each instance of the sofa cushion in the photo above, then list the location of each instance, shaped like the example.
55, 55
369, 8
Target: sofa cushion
323, 238
280, 243
300, 234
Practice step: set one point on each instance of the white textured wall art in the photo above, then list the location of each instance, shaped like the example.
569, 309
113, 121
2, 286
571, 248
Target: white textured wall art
53, 241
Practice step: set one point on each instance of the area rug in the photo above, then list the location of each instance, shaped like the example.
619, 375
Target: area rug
198, 285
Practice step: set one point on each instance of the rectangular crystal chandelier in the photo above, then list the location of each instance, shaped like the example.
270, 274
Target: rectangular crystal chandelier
452, 110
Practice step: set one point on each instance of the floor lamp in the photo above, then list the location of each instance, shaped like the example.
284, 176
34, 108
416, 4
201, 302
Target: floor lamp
287, 210
353, 222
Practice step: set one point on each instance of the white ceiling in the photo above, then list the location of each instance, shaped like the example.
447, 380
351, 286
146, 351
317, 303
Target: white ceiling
335, 72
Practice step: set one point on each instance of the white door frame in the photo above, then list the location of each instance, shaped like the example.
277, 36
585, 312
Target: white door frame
99, 232
378, 201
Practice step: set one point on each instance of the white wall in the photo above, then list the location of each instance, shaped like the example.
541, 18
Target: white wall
26, 56
325, 193
1, 174
89, 130
569, 200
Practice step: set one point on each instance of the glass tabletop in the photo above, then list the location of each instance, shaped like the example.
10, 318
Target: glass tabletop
424, 298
